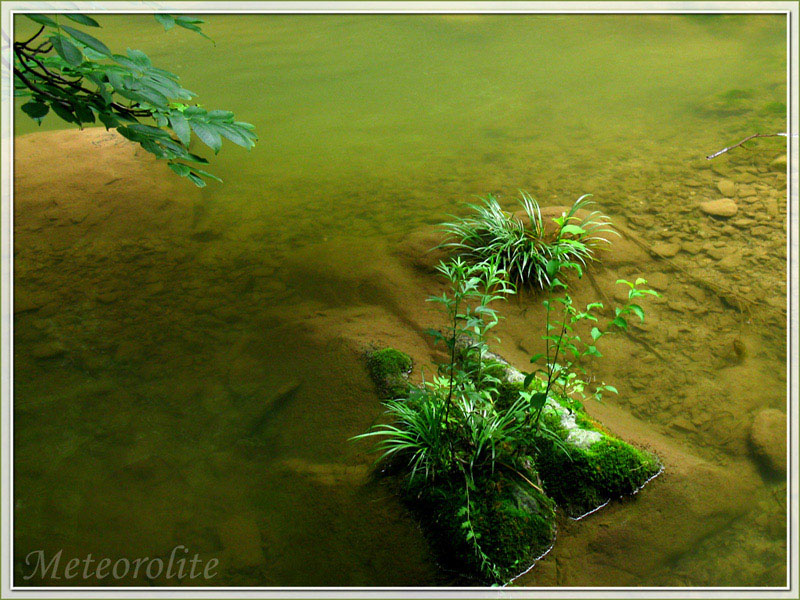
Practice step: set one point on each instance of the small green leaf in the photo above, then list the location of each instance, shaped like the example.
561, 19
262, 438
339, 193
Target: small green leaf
637, 310
84, 113
538, 400
168, 21
64, 112
197, 180
610, 388
181, 127
180, 169
207, 134
552, 267
82, 19
620, 322
34, 109
139, 57
42, 20
572, 229
93, 54
88, 40
66, 50
596, 333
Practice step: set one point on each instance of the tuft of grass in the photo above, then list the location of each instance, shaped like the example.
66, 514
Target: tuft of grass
523, 249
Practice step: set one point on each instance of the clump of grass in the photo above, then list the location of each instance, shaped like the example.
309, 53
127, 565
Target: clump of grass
523, 249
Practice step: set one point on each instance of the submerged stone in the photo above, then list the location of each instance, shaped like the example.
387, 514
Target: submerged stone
589, 467
389, 369
720, 208
768, 439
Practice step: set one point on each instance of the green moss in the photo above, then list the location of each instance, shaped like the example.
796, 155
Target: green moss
736, 94
774, 108
583, 479
389, 369
513, 522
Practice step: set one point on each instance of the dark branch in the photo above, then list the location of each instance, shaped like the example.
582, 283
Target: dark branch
35, 35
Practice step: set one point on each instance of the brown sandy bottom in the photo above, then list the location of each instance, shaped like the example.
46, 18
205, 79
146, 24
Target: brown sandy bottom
177, 382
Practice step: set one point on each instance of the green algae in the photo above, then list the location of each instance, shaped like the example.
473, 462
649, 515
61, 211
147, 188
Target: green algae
389, 369
513, 520
587, 476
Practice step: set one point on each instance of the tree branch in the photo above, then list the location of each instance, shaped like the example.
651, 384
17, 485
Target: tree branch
747, 139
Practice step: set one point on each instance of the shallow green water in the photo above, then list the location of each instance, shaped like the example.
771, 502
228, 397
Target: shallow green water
370, 126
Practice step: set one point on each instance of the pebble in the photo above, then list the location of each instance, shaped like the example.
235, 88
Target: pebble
745, 191
658, 281
691, 247
779, 164
742, 223
729, 263
666, 249
726, 187
719, 208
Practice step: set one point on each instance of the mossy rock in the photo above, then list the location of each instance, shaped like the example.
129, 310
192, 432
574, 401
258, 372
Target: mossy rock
514, 523
389, 369
591, 467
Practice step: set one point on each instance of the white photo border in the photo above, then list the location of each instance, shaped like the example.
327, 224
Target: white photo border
10, 8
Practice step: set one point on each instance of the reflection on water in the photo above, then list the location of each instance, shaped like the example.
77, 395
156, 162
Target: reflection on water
185, 371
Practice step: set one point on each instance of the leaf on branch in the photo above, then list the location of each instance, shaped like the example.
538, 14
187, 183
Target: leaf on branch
168, 21
180, 169
88, 40
139, 58
66, 50
35, 110
181, 127
207, 134
41, 20
82, 19
190, 23
197, 180
64, 112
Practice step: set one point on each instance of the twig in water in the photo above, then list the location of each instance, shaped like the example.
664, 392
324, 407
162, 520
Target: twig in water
747, 139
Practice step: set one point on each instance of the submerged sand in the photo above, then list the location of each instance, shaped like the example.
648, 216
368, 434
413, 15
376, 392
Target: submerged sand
153, 347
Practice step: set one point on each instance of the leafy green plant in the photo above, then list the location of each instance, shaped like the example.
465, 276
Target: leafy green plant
69, 71
470, 318
562, 370
524, 250
469, 436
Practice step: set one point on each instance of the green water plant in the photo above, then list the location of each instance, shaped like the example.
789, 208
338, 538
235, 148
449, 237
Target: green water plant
527, 250
65, 70
484, 450
451, 439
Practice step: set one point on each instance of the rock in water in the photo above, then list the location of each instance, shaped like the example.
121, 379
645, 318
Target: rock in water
666, 249
726, 187
720, 208
768, 438
779, 164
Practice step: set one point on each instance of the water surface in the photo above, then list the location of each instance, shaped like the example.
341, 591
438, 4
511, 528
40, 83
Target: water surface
141, 378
